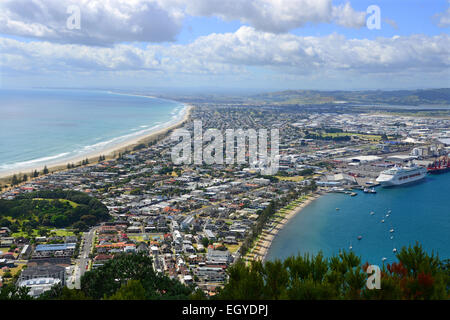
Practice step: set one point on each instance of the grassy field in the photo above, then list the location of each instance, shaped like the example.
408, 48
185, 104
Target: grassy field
13, 271
233, 247
293, 178
55, 232
371, 137
72, 204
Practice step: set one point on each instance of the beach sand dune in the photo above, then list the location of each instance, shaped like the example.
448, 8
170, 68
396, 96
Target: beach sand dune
109, 153
264, 243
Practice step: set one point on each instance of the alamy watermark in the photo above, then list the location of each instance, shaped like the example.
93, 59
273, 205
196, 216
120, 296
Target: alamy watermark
374, 20
208, 147
374, 279
74, 20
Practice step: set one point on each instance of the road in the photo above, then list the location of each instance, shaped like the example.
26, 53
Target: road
85, 250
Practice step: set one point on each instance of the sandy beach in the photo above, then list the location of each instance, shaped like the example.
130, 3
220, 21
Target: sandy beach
109, 153
265, 240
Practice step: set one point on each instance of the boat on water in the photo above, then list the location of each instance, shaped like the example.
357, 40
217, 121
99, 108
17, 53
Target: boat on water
369, 190
401, 175
359, 237
439, 166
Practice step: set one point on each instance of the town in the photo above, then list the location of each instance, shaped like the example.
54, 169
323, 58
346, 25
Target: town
195, 220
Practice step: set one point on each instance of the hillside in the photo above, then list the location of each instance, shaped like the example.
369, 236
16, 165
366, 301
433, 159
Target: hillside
395, 97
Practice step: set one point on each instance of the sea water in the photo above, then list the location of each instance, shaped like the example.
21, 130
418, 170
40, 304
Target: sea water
418, 212
41, 127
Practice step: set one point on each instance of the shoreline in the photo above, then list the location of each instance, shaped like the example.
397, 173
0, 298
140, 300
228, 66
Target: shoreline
110, 153
264, 243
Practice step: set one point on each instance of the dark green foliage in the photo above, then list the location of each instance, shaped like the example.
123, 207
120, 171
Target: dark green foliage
139, 147
11, 292
14, 180
331, 138
58, 292
53, 212
306, 172
417, 275
113, 278
132, 290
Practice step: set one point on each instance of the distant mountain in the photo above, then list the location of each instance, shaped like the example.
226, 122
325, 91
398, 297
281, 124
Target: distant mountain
396, 97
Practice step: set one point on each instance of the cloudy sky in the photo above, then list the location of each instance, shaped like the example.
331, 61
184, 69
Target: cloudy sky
229, 44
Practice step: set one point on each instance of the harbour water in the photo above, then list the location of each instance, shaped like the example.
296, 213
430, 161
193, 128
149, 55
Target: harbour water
43, 127
418, 212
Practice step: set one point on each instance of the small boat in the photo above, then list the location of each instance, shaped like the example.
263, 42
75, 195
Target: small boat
392, 237
384, 259
337, 209
382, 221
366, 190
389, 211
392, 230
372, 213
359, 237
387, 215
372, 190
394, 250
350, 248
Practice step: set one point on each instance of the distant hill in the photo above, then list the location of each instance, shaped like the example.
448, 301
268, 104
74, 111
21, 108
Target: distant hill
395, 97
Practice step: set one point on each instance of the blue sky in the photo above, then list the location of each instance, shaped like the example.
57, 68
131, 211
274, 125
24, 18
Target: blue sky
258, 45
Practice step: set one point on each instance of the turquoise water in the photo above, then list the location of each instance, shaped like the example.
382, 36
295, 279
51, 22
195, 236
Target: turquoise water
43, 127
418, 212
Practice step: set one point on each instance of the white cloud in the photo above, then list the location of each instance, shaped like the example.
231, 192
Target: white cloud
275, 16
233, 53
103, 22
443, 19
346, 16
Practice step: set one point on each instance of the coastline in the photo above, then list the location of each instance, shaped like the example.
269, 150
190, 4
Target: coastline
264, 243
111, 152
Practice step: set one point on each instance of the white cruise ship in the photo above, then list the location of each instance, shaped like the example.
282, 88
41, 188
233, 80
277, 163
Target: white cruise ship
400, 175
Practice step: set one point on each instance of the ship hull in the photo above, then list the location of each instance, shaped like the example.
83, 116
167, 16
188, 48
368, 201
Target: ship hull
387, 184
438, 171
396, 181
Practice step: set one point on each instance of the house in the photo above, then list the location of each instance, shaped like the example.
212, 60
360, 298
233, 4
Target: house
210, 235
38, 286
54, 250
142, 247
50, 271
26, 251
4, 232
100, 259
218, 257
7, 263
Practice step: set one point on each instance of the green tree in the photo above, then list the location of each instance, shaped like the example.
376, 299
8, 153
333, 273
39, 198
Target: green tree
106, 280
132, 290
14, 180
12, 292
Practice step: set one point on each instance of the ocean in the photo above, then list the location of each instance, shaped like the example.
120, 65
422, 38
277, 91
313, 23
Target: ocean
419, 212
45, 127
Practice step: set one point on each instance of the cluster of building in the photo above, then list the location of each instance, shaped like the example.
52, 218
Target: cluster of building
192, 219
